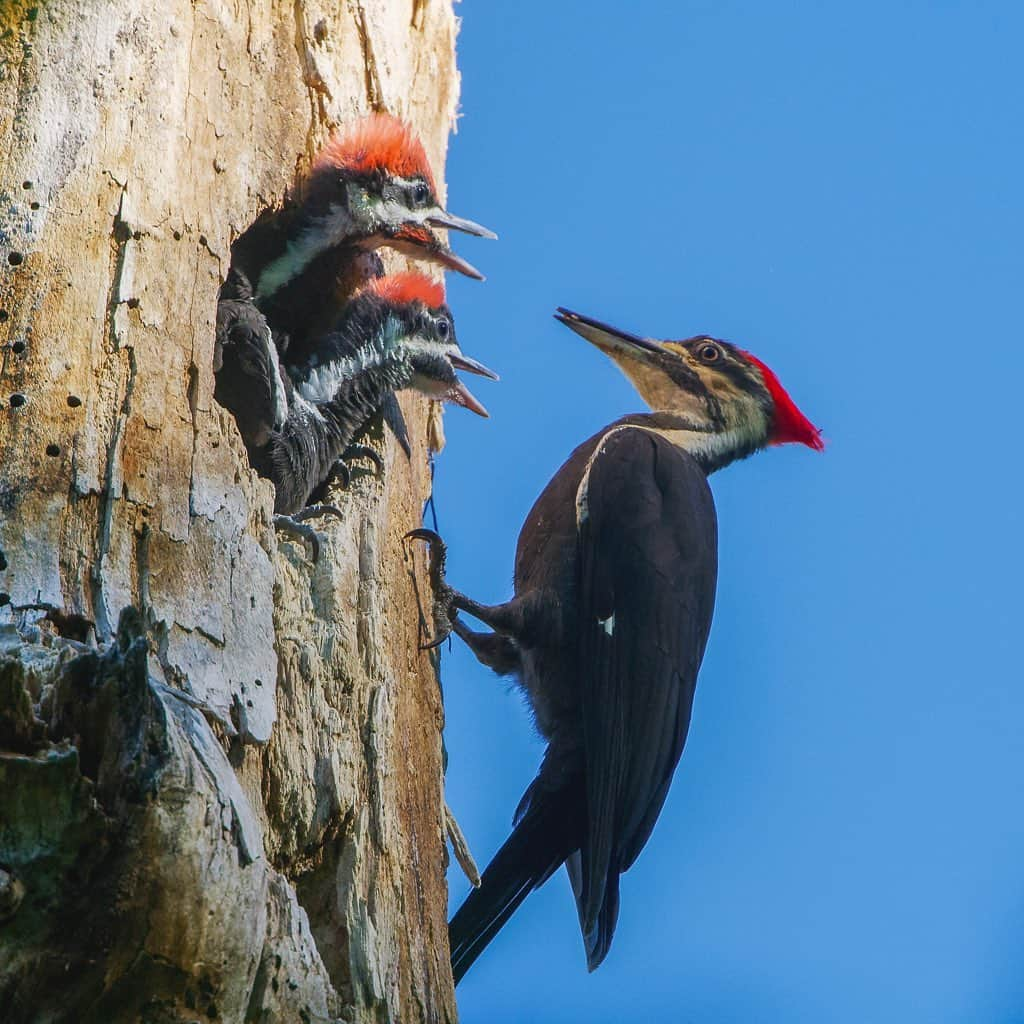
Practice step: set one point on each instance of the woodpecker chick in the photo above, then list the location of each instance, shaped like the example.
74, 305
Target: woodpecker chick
369, 188
615, 580
397, 332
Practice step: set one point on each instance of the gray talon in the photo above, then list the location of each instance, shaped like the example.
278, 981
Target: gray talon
444, 597
311, 511
296, 528
364, 451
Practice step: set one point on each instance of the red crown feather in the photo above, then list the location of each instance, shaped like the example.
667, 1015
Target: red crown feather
408, 286
791, 425
378, 142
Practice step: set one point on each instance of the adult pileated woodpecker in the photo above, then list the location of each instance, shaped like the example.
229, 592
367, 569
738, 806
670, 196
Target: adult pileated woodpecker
291, 270
614, 589
395, 333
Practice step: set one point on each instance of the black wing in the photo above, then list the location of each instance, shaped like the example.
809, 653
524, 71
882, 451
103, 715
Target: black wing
647, 536
249, 380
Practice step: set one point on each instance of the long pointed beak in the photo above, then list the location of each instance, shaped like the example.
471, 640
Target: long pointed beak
444, 219
463, 362
453, 261
607, 338
461, 395
419, 242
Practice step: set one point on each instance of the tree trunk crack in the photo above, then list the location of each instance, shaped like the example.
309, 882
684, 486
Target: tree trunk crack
374, 91
121, 236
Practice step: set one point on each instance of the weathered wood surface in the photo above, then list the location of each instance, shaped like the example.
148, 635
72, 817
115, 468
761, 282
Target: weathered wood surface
235, 813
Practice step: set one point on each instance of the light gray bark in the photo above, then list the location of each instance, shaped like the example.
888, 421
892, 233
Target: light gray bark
231, 810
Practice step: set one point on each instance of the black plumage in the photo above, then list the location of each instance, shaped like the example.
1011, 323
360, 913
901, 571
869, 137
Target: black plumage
299, 267
301, 456
249, 380
397, 333
608, 662
300, 308
615, 578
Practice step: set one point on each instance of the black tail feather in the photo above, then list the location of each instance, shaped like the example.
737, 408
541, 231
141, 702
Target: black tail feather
598, 939
545, 835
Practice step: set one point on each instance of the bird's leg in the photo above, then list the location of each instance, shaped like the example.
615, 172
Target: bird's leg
497, 650
295, 525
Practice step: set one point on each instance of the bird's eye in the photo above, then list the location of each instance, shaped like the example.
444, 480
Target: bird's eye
421, 194
443, 327
708, 353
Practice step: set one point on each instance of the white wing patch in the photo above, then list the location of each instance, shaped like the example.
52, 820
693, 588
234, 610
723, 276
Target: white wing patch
323, 382
276, 384
608, 625
582, 510
323, 234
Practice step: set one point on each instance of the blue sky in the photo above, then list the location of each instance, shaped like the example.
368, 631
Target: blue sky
837, 188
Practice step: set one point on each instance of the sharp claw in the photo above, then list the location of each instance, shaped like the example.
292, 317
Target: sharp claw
341, 473
437, 549
432, 538
294, 526
443, 594
355, 451
434, 644
422, 533
316, 510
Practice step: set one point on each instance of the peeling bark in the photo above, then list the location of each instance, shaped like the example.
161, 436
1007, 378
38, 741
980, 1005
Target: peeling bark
220, 764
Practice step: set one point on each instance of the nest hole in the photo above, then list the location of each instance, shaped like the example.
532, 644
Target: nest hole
53, 450
15, 258
17, 400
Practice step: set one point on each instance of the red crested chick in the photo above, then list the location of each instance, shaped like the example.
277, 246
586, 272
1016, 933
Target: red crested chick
369, 187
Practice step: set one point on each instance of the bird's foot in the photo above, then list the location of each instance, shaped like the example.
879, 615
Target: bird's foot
340, 472
364, 451
445, 598
295, 525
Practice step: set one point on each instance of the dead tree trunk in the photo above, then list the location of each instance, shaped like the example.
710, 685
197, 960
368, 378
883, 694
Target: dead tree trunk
220, 764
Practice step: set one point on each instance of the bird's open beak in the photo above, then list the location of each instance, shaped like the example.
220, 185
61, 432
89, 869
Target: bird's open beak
453, 261
444, 219
421, 243
463, 362
461, 395
608, 339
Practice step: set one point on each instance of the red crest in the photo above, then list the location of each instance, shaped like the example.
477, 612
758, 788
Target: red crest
407, 287
791, 425
378, 142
